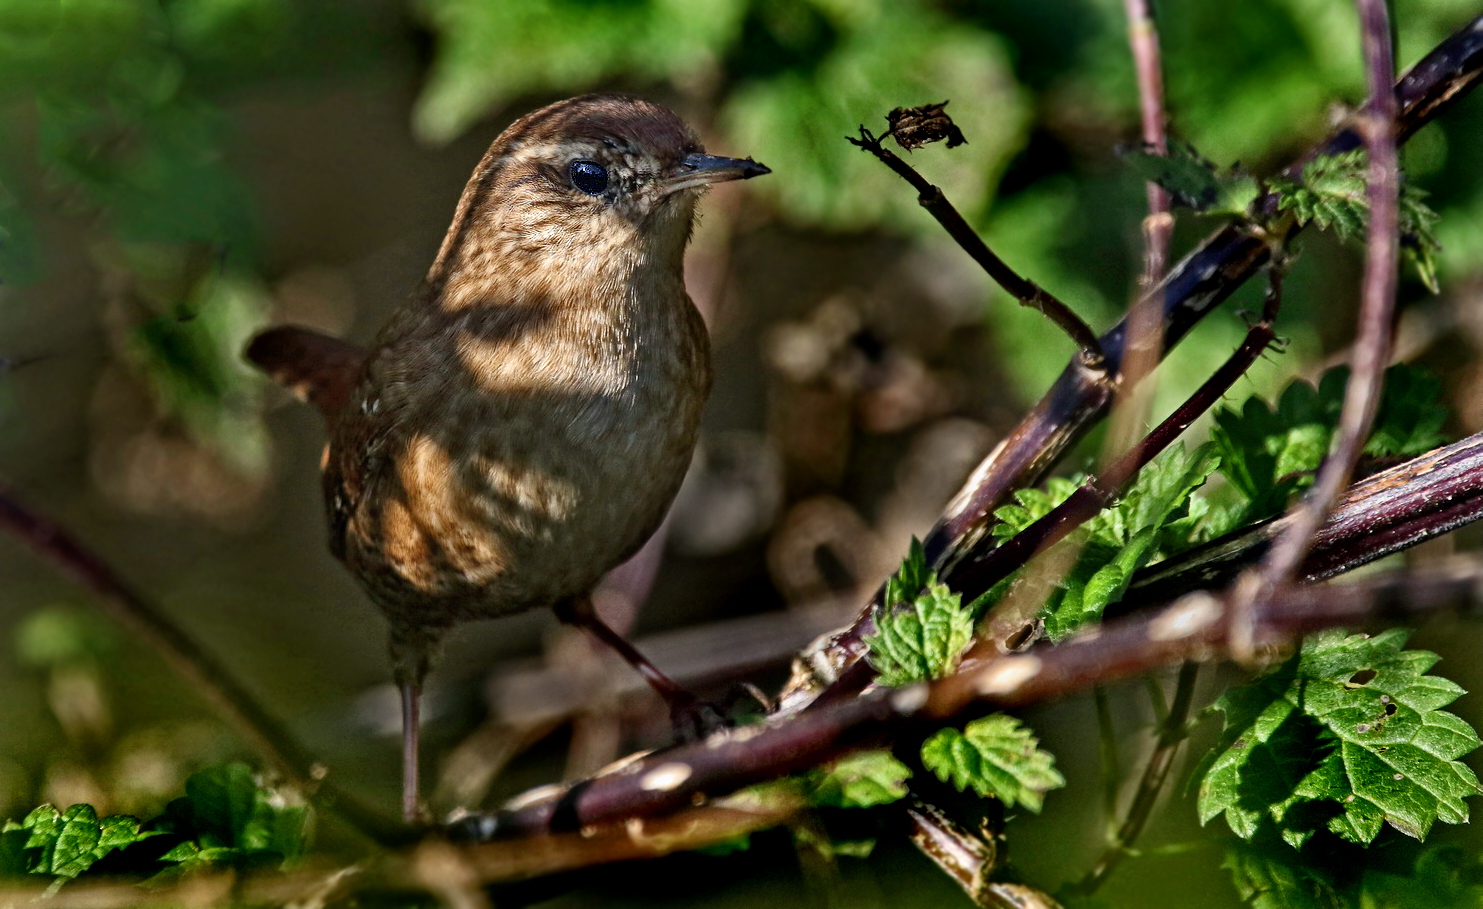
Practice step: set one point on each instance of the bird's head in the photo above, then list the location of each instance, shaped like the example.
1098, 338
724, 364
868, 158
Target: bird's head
590, 182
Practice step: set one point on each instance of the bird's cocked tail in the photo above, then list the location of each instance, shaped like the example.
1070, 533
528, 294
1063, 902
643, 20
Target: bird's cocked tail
319, 369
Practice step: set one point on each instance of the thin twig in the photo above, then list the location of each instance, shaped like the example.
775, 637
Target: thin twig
1172, 732
969, 859
1111, 767
1371, 351
1022, 289
1145, 315
53, 543
1158, 227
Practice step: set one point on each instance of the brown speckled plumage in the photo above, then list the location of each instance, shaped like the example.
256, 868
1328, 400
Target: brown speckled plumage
522, 424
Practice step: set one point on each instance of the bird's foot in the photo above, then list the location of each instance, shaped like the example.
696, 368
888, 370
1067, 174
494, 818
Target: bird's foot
694, 719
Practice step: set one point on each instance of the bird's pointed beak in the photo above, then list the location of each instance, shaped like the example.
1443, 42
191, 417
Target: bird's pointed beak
697, 169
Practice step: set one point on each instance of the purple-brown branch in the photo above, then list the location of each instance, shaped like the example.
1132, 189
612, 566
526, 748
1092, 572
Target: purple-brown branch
1193, 628
1158, 227
54, 544
1371, 350
1027, 292
1143, 352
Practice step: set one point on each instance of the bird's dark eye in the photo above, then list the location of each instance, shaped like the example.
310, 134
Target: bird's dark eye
589, 176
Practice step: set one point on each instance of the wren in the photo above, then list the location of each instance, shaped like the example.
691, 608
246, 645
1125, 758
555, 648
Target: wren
522, 423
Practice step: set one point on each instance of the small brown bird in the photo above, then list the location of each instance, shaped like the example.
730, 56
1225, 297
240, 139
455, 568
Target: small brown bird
521, 425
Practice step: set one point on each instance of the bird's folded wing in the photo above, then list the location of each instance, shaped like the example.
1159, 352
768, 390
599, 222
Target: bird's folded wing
319, 369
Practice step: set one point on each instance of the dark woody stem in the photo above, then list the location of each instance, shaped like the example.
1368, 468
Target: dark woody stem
1194, 628
1026, 291
973, 579
1371, 352
56, 545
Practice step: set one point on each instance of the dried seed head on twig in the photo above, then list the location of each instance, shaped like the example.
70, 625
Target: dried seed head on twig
914, 127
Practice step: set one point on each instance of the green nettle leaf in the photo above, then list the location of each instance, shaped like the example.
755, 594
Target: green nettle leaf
1419, 243
1156, 516
1267, 452
1332, 194
65, 844
1346, 736
1411, 415
860, 780
994, 756
1196, 182
1190, 178
1030, 505
225, 817
1158, 498
1270, 453
232, 816
922, 640
910, 578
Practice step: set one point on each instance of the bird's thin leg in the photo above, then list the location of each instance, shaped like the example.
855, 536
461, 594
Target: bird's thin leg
413, 648
684, 708
411, 701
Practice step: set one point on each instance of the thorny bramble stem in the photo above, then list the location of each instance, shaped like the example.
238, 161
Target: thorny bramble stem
1371, 352
974, 579
1172, 733
1026, 291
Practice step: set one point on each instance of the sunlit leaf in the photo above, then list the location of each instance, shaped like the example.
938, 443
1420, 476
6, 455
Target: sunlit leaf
996, 757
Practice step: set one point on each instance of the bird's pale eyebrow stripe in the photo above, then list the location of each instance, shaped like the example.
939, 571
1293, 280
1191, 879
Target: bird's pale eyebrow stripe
549, 151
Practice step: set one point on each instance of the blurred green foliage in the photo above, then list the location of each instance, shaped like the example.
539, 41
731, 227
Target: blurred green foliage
61, 635
783, 80
126, 106
115, 115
